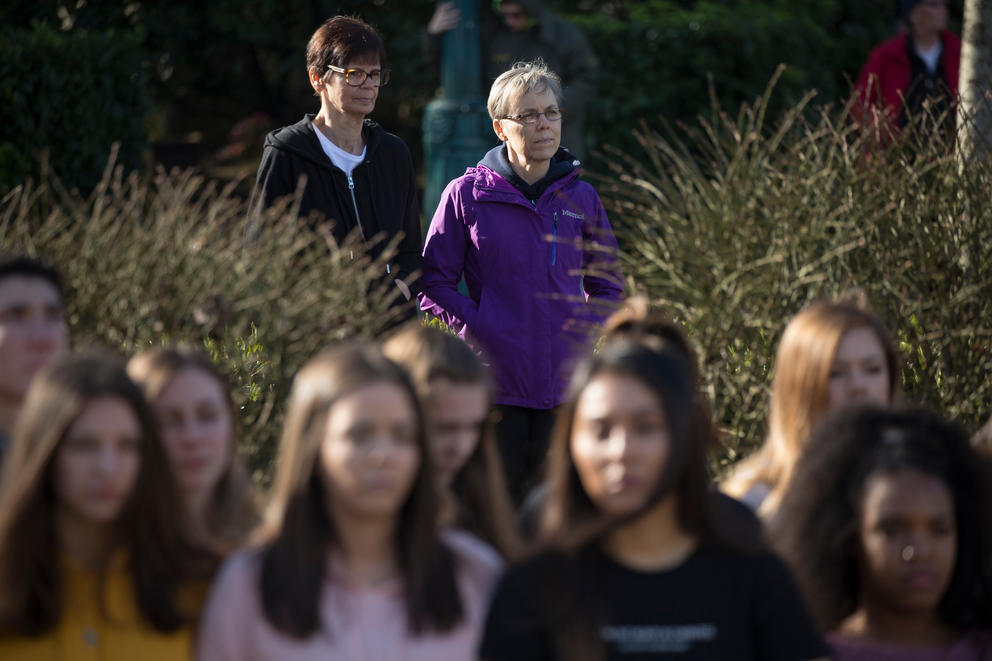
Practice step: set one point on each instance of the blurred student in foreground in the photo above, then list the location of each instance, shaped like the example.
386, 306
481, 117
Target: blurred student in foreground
832, 355
351, 563
456, 392
197, 422
93, 558
32, 331
634, 560
887, 526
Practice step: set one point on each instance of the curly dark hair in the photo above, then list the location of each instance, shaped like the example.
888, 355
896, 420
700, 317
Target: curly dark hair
816, 529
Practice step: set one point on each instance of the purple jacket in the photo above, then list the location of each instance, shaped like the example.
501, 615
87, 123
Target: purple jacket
529, 309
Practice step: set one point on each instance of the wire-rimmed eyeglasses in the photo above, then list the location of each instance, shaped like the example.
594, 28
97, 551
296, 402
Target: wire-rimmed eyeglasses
552, 115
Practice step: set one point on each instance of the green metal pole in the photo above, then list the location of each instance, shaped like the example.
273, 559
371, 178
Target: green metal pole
457, 130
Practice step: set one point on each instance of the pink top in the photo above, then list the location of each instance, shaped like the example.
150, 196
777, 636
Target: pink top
975, 646
365, 624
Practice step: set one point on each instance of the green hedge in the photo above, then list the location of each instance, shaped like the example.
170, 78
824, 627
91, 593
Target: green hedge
735, 225
154, 259
70, 96
731, 226
665, 61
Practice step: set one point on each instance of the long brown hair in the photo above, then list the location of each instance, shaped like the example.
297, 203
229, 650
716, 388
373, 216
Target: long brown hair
571, 525
485, 508
800, 392
233, 508
150, 524
299, 531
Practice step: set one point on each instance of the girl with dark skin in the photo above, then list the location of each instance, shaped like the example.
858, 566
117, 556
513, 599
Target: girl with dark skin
887, 530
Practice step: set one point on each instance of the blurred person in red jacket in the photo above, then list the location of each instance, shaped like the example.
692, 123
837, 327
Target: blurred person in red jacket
916, 70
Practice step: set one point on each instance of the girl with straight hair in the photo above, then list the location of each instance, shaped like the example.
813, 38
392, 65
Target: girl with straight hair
888, 530
456, 392
349, 563
199, 429
93, 562
634, 560
831, 356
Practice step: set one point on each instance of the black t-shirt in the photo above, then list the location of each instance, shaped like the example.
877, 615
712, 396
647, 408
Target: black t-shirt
716, 605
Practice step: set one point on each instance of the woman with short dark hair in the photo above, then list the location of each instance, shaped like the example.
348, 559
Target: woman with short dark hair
350, 563
358, 177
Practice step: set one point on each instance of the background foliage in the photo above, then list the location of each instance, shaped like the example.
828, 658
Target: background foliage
163, 258
220, 74
731, 222
735, 225
70, 96
732, 226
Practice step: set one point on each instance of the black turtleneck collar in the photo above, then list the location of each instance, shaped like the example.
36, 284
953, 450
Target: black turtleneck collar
562, 163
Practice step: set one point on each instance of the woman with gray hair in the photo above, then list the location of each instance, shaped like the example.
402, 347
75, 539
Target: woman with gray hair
537, 252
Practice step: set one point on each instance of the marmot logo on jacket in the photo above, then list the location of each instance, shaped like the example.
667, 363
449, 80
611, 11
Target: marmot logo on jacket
572, 214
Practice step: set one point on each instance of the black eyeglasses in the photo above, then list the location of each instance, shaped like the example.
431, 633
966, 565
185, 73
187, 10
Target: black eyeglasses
552, 115
357, 77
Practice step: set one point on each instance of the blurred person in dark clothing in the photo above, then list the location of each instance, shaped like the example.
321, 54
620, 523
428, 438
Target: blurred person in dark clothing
527, 31
32, 331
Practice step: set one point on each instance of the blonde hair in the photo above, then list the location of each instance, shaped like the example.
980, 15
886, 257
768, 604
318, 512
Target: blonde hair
521, 78
800, 393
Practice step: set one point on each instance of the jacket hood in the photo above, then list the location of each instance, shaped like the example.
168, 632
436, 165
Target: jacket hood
300, 139
562, 163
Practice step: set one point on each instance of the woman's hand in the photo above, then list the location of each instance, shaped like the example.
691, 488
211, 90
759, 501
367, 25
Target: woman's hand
446, 17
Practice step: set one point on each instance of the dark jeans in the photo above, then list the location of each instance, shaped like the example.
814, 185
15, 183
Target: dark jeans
523, 436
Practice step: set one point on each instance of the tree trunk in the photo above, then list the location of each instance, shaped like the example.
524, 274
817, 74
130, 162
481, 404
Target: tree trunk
975, 84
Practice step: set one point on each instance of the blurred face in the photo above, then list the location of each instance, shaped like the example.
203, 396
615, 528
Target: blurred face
908, 539
514, 16
530, 143
929, 17
96, 465
356, 101
859, 373
197, 429
458, 413
620, 442
369, 457
32, 331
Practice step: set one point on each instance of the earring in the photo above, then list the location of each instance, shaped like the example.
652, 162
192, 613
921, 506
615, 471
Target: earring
907, 553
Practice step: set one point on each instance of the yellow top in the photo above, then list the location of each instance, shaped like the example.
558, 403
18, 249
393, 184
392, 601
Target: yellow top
87, 633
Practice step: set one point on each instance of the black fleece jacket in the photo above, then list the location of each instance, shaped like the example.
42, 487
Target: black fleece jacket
385, 191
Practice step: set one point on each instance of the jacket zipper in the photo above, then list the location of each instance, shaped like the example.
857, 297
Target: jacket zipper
354, 203
554, 239
358, 217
